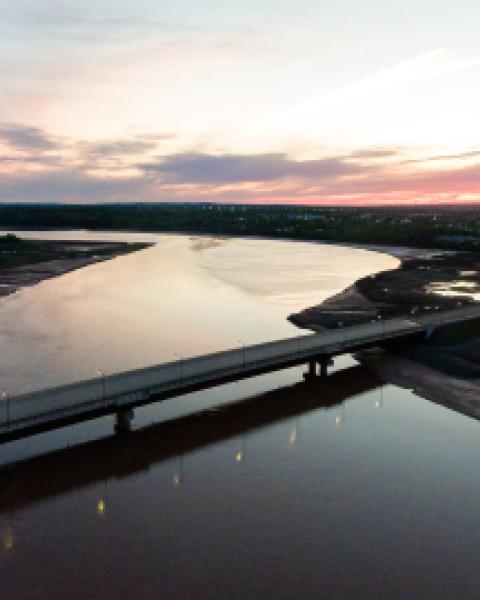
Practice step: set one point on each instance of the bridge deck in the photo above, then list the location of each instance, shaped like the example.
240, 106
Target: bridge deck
25, 413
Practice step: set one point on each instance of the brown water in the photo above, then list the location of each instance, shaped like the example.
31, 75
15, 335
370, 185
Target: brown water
269, 488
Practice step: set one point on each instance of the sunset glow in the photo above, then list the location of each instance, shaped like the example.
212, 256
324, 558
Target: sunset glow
342, 103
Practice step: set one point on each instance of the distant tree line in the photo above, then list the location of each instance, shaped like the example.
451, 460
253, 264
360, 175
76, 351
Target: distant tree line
434, 228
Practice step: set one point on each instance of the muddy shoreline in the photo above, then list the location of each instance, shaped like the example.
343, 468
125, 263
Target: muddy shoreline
423, 282
86, 253
444, 369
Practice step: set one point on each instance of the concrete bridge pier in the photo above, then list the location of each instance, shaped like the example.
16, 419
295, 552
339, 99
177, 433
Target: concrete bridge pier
124, 420
312, 372
325, 362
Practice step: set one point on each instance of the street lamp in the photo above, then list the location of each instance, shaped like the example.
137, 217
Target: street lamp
181, 365
101, 374
243, 352
6, 398
382, 323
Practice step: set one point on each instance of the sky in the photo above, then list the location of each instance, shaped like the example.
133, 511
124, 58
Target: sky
351, 102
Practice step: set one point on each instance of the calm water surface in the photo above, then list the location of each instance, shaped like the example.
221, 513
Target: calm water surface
269, 488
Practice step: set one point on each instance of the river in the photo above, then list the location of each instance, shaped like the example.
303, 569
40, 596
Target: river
268, 488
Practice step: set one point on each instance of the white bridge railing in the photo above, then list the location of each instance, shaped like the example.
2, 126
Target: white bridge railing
111, 393
125, 389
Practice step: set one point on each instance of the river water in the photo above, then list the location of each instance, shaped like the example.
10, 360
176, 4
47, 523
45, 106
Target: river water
268, 488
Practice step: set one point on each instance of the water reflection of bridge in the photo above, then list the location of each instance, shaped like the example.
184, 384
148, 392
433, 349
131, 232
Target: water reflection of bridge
117, 457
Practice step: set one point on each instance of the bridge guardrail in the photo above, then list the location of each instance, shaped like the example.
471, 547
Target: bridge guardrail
109, 390
105, 390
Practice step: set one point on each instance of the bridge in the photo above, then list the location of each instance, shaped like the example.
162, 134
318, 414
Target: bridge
25, 414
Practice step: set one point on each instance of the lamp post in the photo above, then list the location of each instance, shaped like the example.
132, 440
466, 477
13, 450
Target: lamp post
101, 374
181, 365
6, 398
382, 324
243, 353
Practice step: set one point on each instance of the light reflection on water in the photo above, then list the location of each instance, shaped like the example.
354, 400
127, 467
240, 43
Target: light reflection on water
274, 488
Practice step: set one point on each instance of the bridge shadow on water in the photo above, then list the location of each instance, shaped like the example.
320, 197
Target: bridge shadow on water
62, 471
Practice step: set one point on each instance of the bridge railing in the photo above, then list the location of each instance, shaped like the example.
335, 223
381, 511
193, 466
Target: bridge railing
123, 388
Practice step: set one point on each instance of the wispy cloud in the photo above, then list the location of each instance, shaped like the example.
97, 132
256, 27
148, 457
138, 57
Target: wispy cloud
430, 65
221, 169
122, 147
26, 138
36, 166
69, 186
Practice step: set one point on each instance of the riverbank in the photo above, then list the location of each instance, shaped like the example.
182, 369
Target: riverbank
424, 281
25, 263
444, 368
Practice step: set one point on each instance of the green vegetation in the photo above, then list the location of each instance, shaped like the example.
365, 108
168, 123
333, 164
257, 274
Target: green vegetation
445, 228
16, 252
9, 241
419, 286
410, 287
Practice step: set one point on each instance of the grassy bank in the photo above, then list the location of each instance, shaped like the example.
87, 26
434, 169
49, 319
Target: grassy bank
16, 252
440, 282
27, 262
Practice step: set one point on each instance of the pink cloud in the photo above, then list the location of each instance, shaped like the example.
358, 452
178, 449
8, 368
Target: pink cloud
36, 167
